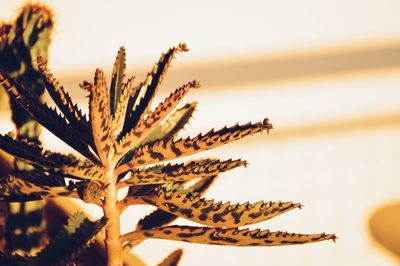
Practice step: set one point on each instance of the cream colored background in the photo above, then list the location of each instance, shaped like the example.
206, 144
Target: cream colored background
336, 142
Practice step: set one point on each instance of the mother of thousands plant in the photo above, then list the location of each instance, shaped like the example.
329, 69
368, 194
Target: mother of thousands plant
124, 143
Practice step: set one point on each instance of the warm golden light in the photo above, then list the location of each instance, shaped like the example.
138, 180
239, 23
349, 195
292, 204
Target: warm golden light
327, 74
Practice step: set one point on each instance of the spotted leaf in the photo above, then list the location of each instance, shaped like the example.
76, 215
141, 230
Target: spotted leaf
99, 112
154, 118
117, 121
170, 173
15, 189
230, 236
167, 150
24, 150
140, 101
159, 217
168, 129
189, 205
84, 170
65, 104
117, 79
45, 115
172, 125
78, 234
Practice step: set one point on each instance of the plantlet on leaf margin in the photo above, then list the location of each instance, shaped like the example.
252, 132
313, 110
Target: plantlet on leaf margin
124, 135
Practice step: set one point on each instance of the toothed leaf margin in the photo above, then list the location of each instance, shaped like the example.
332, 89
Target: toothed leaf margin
78, 234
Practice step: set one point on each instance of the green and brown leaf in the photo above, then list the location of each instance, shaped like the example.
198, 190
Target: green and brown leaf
230, 236
170, 173
189, 205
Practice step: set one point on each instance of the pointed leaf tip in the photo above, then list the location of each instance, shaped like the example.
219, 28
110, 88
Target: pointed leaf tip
186, 204
164, 150
228, 236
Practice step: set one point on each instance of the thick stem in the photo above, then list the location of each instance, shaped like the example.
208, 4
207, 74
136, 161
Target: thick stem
112, 212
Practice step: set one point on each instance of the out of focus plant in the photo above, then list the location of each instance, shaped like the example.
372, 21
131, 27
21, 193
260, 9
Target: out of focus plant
21, 42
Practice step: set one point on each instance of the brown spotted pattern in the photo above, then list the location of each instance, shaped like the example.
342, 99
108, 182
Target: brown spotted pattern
125, 132
64, 102
159, 217
230, 236
174, 123
14, 187
23, 149
154, 79
33, 153
45, 115
170, 173
167, 150
117, 79
154, 118
188, 205
118, 118
84, 170
99, 112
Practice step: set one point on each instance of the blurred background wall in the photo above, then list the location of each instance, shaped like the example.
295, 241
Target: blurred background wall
326, 73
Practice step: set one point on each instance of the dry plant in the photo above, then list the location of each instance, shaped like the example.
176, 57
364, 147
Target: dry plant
124, 143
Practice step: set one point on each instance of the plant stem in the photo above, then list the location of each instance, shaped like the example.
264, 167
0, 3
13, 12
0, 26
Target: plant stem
112, 213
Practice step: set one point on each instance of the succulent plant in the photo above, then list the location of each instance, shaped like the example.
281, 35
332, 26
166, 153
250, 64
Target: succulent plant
21, 42
124, 143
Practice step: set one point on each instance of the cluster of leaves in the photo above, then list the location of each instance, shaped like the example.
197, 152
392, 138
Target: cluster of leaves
123, 142
73, 239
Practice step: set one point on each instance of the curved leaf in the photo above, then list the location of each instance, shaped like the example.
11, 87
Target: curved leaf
14, 189
173, 124
118, 117
79, 233
154, 118
160, 151
24, 150
172, 259
65, 104
161, 174
159, 217
84, 170
141, 100
100, 117
45, 115
187, 205
230, 236
117, 79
